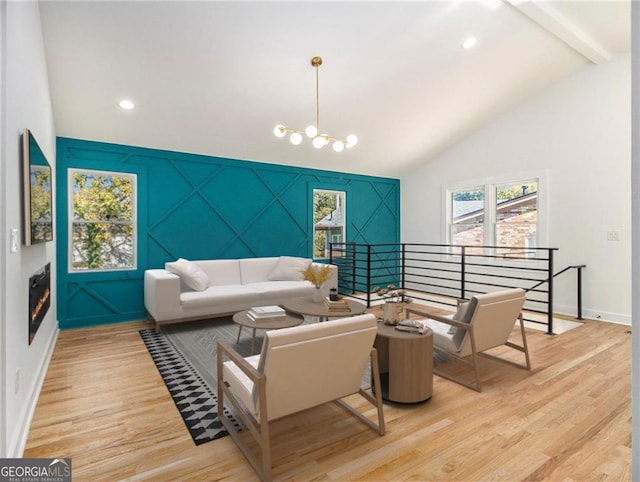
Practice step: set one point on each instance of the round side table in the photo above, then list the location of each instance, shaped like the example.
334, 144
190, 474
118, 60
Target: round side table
406, 364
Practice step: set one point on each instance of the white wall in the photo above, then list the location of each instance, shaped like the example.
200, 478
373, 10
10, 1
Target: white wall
578, 131
26, 103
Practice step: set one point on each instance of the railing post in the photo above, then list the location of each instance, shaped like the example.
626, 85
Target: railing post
354, 262
579, 268
550, 297
368, 276
462, 272
402, 268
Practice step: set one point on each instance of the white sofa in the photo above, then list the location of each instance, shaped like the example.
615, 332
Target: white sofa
189, 290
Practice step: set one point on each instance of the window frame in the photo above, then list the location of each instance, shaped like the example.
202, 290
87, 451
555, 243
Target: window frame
135, 181
489, 185
328, 189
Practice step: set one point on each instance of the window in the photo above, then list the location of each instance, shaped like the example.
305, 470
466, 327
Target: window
516, 209
496, 214
328, 220
102, 230
467, 217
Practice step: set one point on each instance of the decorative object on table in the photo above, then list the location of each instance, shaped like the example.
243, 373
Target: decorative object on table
333, 294
258, 313
394, 300
418, 327
339, 305
317, 275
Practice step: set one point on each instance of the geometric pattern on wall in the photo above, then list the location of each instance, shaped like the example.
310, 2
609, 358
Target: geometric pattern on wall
204, 207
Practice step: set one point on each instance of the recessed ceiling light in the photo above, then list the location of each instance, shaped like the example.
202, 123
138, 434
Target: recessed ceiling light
126, 104
469, 42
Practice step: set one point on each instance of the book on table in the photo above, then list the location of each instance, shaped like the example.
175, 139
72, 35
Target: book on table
337, 305
264, 313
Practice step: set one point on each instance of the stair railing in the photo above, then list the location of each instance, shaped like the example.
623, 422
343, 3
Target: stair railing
448, 272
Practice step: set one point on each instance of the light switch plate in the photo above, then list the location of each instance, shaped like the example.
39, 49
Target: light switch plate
14, 240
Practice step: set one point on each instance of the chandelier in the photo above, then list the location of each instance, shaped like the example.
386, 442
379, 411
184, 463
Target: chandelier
313, 131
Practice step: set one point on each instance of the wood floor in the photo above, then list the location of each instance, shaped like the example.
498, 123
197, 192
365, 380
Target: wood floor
104, 405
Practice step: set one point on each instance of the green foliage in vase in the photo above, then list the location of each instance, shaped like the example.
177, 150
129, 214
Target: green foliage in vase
393, 293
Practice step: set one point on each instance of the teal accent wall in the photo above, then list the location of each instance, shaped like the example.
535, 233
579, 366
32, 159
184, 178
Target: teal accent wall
205, 207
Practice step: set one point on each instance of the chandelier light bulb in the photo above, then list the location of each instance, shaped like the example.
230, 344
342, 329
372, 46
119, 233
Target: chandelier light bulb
296, 138
318, 142
279, 130
311, 131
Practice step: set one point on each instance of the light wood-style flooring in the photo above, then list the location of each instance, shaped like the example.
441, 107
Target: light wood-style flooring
104, 404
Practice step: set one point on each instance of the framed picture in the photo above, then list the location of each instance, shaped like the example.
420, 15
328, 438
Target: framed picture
37, 193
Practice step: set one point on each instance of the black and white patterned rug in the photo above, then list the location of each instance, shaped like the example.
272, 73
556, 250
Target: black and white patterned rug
195, 399
185, 355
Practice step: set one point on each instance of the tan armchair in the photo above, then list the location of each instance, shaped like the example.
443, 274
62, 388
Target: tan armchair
298, 368
484, 322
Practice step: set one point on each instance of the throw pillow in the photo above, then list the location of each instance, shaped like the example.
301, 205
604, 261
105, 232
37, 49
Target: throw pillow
190, 274
289, 268
463, 315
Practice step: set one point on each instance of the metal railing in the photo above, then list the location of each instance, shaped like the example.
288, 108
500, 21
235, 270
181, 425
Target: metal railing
442, 273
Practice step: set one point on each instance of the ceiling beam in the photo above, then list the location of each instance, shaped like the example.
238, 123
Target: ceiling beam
555, 23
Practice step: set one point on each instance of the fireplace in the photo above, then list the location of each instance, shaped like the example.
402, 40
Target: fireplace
39, 298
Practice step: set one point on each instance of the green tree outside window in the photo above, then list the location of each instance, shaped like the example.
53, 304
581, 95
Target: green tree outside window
102, 231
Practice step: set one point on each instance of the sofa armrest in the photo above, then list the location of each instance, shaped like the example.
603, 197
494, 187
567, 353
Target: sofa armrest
161, 294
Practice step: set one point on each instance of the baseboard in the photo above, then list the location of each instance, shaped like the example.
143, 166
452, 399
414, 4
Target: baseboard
590, 314
17, 446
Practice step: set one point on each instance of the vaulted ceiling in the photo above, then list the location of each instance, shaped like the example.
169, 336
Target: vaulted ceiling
216, 77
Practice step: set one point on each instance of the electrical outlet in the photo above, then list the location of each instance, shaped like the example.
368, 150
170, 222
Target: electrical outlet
613, 235
17, 380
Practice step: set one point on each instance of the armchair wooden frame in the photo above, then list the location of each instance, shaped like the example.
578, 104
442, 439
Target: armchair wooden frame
471, 360
258, 426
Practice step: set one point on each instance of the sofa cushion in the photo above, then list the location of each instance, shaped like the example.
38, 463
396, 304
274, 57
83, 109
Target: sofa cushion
289, 268
190, 274
277, 292
221, 271
254, 270
215, 296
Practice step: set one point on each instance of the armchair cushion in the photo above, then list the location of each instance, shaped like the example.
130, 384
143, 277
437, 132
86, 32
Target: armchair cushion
463, 315
190, 274
242, 385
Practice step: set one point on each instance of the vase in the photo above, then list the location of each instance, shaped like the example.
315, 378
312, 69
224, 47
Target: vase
317, 295
390, 315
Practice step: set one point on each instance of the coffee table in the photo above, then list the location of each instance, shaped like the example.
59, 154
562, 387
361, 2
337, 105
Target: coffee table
305, 305
242, 319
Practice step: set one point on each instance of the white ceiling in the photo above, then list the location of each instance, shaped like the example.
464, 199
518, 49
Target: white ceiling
216, 77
